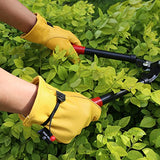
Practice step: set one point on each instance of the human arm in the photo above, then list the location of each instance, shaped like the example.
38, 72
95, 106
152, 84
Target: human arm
36, 29
35, 101
17, 15
16, 95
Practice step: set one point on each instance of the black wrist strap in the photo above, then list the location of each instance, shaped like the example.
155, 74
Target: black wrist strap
60, 98
49, 24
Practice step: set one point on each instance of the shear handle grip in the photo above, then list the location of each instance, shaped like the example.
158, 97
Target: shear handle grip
101, 53
79, 49
108, 97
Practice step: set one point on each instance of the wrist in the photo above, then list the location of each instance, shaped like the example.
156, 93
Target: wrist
29, 24
27, 108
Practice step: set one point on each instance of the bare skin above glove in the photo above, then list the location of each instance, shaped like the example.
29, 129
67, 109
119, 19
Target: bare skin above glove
42, 33
72, 115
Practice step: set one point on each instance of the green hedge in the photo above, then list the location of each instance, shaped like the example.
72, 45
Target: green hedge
129, 127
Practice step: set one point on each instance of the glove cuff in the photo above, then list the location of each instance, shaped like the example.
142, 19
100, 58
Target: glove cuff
36, 33
44, 103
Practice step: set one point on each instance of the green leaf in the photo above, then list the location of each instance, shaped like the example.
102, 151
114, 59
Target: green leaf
102, 86
156, 112
99, 127
133, 2
51, 75
15, 150
129, 82
9, 124
75, 23
107, 31
2, 26
18, 39
29, 147
26, 77
4, 150
93, 44
88, 81
74, 68
154, 137
97, 33
135, 101
115, 156
82, 88
13, 117
150, 154
125, 140
123, 27
85, 149
155, 96
100, 140
134, 155
115, 148
2, 138
81, 139
124, 121
135, 134
52, 157
21, 150
17, 72
35, 156
102, 154
7, 140
148, 122
112, 131
35, 136
28, 70
75, 83
62, 73
11, 157
19, 63
89, 35
138, 146
15, 132
3, 60
26, 132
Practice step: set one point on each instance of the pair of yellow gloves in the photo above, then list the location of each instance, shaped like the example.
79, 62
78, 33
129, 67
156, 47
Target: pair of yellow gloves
76, 111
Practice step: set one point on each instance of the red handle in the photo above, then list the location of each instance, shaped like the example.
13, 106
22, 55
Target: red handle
79, 49
98, 101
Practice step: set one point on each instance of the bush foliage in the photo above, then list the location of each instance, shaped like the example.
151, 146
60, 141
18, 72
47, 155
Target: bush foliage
129, 127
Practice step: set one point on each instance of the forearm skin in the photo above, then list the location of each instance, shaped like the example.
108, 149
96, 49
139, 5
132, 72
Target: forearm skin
16, 95
15, 14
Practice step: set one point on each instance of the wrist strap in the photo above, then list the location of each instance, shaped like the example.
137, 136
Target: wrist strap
60, 98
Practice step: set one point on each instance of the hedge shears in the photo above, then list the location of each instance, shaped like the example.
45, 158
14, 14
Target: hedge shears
152, 72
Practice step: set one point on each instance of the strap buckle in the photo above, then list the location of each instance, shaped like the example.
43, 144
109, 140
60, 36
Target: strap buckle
44, 132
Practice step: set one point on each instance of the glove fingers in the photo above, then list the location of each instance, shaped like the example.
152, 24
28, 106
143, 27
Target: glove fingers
95, 109
64, 44
71, 37
74, 40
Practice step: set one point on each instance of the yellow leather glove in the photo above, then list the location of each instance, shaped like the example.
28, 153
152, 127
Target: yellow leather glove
51, 37
72, 115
